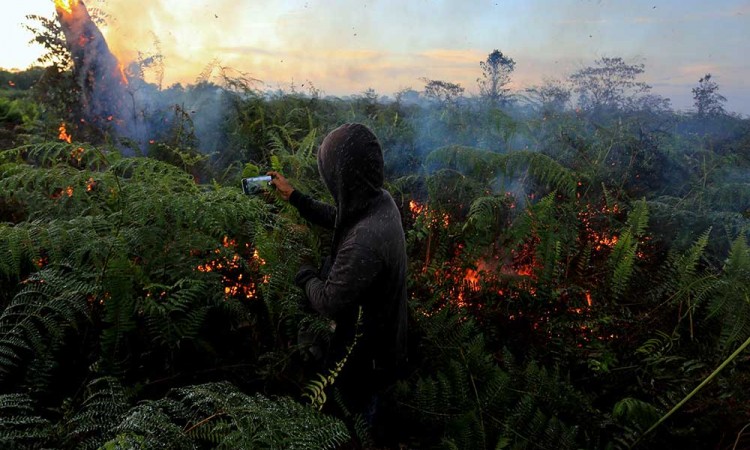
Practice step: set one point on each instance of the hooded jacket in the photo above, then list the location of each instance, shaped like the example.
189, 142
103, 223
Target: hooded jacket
368, 257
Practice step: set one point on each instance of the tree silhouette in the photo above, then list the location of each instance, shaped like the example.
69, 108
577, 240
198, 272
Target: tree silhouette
707, 100
496, 70
610, 84
442, 92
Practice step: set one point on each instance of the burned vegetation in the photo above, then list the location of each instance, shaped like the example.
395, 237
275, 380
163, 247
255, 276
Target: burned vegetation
578, 261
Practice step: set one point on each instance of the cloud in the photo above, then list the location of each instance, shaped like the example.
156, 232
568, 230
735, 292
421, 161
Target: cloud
453, 56
698, 70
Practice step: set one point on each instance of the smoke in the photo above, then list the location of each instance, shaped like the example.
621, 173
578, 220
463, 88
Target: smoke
96, 69
346, 47
120, 100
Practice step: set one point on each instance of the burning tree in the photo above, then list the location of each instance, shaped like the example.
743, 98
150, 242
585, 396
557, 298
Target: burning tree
555, 303
100, 76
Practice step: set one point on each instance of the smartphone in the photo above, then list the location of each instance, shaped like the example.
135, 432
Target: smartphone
254, 185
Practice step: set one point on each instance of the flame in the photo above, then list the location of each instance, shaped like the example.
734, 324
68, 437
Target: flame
415, 208
234, 280
601, 239
66, 5
433, 217
257, 257
123, 77
64, 136
472, 279
59, 192
77, 154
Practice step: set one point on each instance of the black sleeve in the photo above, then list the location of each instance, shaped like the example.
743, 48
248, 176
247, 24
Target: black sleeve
316, 212
351, 277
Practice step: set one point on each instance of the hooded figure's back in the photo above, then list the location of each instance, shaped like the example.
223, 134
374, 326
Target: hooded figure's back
368, 258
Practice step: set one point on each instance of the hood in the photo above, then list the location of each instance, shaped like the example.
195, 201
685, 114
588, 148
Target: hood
350, 161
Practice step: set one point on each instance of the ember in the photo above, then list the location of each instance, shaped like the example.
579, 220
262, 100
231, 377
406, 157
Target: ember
233, 269
77, 154
60, 192
599, 238
432, 217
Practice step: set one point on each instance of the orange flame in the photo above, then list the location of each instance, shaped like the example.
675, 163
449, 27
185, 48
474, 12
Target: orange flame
59, 192
123, 77
230, 269
472, 279
256, 256
65, 5
415, 208
433, 217
64, 136
77, 154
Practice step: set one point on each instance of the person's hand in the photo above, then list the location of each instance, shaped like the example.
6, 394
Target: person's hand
281, 184
305, 274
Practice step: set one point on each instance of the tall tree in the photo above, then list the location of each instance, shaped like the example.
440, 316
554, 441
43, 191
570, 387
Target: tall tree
442, 92
707, 99
609, 84
496, 70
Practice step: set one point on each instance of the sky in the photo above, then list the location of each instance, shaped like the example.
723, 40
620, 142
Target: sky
346, 46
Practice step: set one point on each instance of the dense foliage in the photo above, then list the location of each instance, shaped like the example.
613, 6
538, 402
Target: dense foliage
574, 274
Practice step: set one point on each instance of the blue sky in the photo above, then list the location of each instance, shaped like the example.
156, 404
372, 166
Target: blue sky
346, 47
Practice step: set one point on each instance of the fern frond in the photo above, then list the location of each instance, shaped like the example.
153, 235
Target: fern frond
486, 214
485, 166
20, 427
52, 301
102, 409
636, 412
730, 301
622, 259
220, 415
315, 390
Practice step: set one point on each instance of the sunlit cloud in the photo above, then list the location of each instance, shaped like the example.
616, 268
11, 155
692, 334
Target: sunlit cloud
699, 70
462, 56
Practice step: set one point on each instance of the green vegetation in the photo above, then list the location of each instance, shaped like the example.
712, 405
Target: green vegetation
574, 274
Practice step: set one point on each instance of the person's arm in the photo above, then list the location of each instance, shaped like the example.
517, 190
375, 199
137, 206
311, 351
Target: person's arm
312, 210
351, 276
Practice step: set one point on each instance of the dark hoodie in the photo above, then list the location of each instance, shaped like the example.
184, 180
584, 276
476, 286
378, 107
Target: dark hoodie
368, 258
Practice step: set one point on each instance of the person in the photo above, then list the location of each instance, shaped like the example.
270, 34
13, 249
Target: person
367, 265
